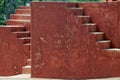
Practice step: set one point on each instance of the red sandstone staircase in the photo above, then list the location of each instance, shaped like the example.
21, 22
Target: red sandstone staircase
27, 69
101, 41
22, 17
19, 24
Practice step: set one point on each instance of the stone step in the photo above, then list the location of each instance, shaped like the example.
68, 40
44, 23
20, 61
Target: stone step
14, 28
21, 34
20, 16
113, 49
25, 40
83, 19
76, 11
22, 11
26, 70
113, 52
98, 36
91, 27
24, 7
17, 22
29, 62
27, 46
104, 44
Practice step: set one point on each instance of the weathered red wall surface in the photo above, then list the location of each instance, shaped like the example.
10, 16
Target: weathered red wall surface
49, 33
62, 46
12, 53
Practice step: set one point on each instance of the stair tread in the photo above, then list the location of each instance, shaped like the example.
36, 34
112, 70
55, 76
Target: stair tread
113, 49
28, 59
25, 38
27, 44
104, 41
22, 32
97, 32
75, 8
116, 50
11, 26
28, 66
90, 24
19, 20
82, 16
22, 14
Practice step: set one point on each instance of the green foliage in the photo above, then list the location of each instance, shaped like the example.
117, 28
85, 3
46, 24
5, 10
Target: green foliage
77, 0
2, 22
2, 11
11, 5
7, 7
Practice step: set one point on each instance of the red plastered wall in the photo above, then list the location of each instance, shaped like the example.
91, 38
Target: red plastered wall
63, 48
12, 53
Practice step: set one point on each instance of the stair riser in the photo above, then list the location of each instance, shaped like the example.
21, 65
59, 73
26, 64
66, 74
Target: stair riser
103, 45
28, 51
17, 23
29, 62
20, 35
20, 17
28, 28
25, 41
22, 12
27, 47
98, 37
91, 28
17, 29
26, 70
83, 20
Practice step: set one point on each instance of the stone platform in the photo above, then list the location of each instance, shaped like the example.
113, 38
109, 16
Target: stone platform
27, 77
